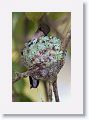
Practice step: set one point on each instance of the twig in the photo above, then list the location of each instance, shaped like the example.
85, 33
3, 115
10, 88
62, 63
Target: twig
49, 91
66, 41
19, 76
55, 90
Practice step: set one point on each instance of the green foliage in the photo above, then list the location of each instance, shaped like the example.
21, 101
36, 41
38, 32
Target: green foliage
34, 16
55, 16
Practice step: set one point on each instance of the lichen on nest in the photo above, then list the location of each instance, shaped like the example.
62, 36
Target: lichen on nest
45, 50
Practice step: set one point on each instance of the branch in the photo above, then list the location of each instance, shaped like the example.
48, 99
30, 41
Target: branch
49, 91
66, 41
55, 90
19, 76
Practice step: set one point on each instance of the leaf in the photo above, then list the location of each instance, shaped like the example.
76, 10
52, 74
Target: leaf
18, 31
33, 27
55, 15
34, 16
19, 86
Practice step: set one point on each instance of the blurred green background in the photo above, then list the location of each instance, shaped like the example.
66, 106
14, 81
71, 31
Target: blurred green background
24, 25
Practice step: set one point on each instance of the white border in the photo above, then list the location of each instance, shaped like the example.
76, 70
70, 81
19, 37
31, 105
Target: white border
75, 104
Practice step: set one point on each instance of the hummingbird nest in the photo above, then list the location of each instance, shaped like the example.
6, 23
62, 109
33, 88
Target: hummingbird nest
44, 56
